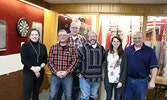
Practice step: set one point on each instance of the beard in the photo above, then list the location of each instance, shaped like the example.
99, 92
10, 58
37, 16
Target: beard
92, 41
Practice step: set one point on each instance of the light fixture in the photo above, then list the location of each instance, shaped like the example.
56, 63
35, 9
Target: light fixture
34, 5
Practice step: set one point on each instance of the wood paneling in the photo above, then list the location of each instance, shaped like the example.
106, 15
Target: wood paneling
111, 8
11, 86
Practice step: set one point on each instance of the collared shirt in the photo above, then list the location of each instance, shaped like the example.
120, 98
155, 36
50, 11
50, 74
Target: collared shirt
141, 61
62, 60
78, 42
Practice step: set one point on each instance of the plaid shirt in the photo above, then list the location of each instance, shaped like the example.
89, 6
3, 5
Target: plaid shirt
62, 60
78, 42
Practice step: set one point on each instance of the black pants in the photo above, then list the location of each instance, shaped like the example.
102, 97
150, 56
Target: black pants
31, 84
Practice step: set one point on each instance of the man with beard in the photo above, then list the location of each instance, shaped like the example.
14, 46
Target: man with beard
91, 56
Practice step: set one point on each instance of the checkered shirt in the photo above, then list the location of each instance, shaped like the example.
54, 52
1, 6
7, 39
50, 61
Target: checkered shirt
78, 42
59, 60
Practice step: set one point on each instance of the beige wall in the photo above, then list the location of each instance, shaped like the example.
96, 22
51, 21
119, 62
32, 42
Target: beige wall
50, 33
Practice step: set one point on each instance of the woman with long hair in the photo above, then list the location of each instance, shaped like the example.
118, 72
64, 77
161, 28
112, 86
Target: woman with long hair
115, 71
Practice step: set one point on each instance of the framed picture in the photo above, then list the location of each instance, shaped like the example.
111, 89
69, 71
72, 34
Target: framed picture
2, 35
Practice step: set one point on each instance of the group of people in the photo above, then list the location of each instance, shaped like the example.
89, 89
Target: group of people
76, 65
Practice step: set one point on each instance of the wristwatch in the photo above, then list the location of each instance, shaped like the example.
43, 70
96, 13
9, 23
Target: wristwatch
22, 27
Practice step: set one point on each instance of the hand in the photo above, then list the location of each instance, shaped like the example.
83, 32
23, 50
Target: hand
37, 74
59, 74
151, 85
63, 73
35, 69
80, 76
119, 85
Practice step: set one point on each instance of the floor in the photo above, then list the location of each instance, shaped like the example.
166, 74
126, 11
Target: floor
44, 95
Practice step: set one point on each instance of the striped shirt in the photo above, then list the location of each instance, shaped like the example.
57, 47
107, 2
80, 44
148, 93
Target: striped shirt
60, 59
91, 66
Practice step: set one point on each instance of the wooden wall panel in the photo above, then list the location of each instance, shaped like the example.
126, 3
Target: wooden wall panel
11, 86
111, 8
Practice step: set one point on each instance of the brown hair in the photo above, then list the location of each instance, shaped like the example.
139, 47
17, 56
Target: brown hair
34, 29
119, 50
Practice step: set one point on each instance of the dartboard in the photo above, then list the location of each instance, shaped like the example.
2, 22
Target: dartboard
22, 27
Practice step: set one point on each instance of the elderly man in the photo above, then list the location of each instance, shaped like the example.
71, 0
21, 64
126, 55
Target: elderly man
63, 58
141, 59
91, 56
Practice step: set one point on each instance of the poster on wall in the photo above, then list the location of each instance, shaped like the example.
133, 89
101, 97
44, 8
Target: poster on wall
123, 26
38, 26
86, 22
2, 35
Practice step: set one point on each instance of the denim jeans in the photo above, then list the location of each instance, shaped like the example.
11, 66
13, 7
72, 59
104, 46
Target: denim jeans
88, 89
75, 94
135, 88
66, 82
116, 92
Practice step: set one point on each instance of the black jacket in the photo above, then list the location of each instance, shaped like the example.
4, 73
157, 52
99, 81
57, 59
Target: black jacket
123, 72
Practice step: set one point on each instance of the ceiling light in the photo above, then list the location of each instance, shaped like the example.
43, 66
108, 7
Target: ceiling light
34, 5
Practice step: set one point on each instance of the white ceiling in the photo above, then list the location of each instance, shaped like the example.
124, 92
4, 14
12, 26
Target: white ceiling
108, 1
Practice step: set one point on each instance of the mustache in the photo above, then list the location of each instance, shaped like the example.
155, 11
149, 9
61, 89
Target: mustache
92, 39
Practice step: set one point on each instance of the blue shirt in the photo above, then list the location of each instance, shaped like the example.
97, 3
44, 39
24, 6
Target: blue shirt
141, 61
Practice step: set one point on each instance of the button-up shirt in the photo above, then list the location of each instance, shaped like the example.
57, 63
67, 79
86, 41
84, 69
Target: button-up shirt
78, 42
60, 59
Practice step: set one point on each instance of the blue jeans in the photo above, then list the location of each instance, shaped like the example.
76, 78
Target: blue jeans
75, 94
88, 89
116, 92
66, 82
135, 88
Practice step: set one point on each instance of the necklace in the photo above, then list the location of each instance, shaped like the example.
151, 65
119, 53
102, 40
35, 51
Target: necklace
38, 53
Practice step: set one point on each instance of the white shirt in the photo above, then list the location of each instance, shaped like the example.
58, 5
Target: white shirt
113, 68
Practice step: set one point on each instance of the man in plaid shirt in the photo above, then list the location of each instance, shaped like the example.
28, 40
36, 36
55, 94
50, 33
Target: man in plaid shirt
77, 41
62, 59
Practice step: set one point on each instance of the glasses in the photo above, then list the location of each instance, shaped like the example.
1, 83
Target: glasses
62, 35
74, 27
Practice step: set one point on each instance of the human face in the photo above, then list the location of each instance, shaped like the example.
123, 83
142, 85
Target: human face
116, 43
62, 37
92, 38
74, 28
138, 39
34, 36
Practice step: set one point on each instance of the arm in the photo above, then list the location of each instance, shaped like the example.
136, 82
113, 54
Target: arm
74, 60
151, 84
153, 66
79, 65
24, 56
123, 70
51, 61
44, 62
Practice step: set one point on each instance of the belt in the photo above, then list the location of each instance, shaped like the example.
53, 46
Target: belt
134, 77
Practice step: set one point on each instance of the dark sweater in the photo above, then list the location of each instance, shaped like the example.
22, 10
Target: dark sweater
29, 56
123, 71
91, 62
